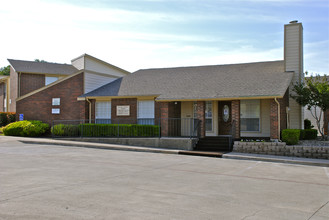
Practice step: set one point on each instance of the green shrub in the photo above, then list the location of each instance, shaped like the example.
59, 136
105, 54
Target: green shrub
7, 118
147, 130
308, 134
3, 119
290, 136
308, 124
106, 130
26, 128
65, 130
98, 130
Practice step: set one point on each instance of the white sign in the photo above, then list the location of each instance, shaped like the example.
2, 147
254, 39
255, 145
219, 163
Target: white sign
55, 111
56, 101
123, 110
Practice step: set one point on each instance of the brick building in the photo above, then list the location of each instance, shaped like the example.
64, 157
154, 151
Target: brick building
48, 91
246, 100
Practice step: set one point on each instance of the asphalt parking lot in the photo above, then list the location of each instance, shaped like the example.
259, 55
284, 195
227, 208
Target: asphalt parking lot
61, 182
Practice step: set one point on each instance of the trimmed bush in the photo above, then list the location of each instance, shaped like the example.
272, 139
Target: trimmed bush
290, 136
308, 134
66, 130
106, 130
7, 118
26, 129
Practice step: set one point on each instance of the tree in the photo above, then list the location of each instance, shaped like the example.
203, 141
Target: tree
314, 94
5, 70
40, 61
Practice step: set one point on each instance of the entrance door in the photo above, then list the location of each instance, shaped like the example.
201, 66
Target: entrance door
224, 118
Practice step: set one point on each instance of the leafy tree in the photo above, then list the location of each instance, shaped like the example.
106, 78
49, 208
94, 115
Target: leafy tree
5, 70
314, 94
40, 61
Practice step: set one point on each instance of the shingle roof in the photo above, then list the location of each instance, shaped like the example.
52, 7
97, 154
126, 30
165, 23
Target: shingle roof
263, 79
39, 67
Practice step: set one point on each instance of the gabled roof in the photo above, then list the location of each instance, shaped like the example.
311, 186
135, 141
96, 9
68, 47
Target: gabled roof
101, 61
234, 81
40, 67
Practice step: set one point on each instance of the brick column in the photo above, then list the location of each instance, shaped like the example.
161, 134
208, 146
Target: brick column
164, 115
236, 117
274, 120
201, 107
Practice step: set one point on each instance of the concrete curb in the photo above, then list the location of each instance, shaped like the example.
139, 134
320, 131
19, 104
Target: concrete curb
101, 146
277, 159
232, 155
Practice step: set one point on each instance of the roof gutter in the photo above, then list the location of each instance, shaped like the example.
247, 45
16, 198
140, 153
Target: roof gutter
19, 84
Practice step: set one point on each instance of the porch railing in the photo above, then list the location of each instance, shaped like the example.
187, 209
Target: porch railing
142, 127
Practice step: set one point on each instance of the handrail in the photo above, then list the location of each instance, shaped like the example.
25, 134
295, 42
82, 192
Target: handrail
195, 132
233, 129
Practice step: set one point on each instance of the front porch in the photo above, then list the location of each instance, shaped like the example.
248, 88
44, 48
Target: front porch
249, 118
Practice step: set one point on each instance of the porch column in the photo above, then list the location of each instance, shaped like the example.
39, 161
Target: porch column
274, 120
201, 107
164, 115
236, 117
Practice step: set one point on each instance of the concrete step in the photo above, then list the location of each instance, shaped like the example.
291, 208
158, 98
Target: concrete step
203, 153
213, 144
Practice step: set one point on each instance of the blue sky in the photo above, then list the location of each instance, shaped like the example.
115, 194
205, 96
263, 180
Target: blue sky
161, 33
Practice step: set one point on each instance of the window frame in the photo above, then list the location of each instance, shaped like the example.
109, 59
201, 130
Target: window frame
108, 110
52, 81
148, 120
259, 116
212, 116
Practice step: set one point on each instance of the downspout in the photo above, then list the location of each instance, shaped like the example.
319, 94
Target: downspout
19, 84
278, 117
89, 109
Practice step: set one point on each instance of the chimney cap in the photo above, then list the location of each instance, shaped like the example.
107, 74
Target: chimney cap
293, 22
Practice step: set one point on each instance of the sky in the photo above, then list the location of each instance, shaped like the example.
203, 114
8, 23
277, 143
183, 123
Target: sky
141, 34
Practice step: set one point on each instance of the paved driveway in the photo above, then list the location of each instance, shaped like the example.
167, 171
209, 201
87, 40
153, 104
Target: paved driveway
57, 182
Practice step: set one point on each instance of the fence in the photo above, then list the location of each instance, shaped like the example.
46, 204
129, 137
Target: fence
143, 127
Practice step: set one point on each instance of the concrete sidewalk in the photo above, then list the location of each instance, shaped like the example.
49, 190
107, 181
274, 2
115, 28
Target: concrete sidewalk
231, 155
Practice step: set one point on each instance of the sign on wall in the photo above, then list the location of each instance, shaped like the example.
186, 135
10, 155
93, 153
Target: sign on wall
21, 117
123, 110
55, 111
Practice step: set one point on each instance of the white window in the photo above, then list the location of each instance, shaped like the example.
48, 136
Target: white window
195, 110
50, 79
56, 101
5, 97
103, 112
250, 115
208, 116
145, 113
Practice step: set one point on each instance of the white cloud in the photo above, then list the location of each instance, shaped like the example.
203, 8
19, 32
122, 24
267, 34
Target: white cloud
58, 32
